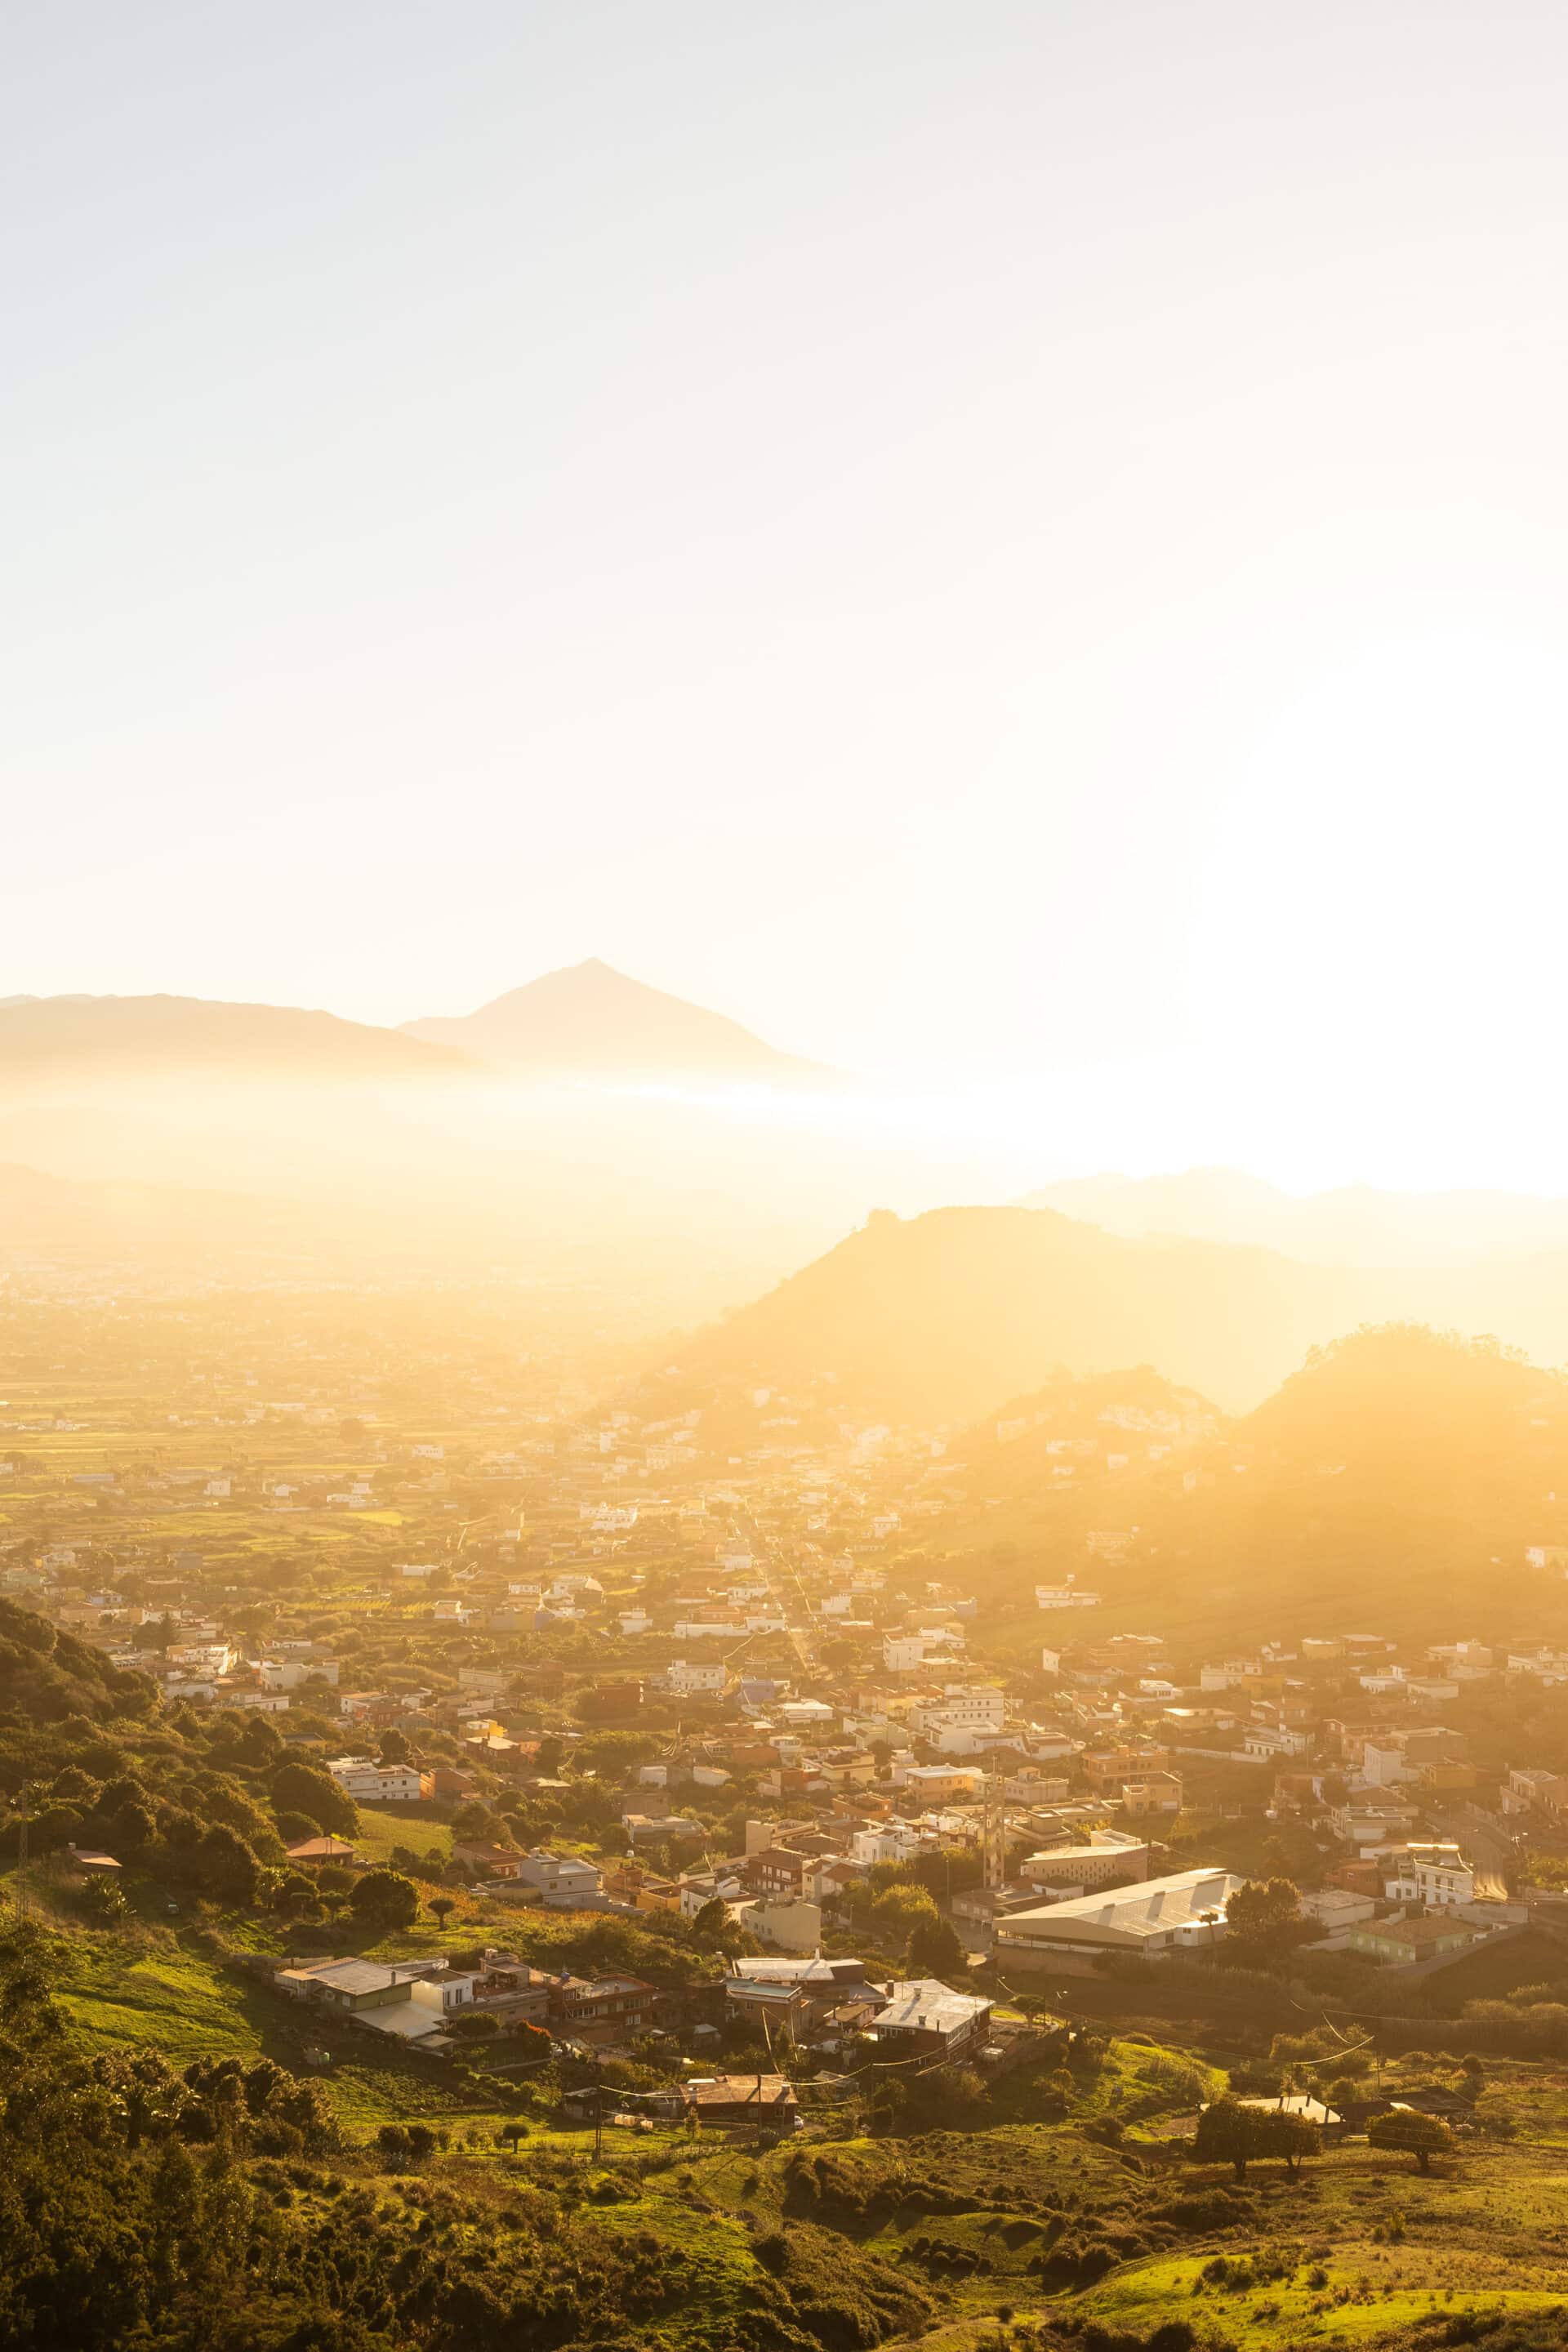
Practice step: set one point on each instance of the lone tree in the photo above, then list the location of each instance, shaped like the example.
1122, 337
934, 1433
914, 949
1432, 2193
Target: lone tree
384, 1898
1291, 2137
1263, 1924
442, 1906
935, 1949
1228, 2134
1422, 2137
305, 1788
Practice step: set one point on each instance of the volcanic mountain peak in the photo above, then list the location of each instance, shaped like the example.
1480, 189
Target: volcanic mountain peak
589, 1018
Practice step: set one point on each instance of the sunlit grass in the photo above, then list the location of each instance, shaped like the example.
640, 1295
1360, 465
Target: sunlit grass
383, 1827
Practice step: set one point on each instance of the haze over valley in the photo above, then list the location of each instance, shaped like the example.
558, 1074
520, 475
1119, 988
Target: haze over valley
588, 1124
784, 1208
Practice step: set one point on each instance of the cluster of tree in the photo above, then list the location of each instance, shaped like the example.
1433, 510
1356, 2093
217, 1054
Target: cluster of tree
197, 1801
656, 1947
215, 2212
46, 1675
1236, 2132
1521, 2029
1231, 2131
904, 1919
205, 1834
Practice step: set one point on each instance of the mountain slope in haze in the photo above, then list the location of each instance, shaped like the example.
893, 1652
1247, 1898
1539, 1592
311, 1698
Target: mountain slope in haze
52, 1219
934, 1319
43, 1037
592, 1019
1044, 1469
1396, 1480
1110, 1418
1392, 1485
1356, 1224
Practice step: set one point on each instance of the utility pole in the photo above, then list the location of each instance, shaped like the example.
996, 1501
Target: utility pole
23, 1816
996, 1834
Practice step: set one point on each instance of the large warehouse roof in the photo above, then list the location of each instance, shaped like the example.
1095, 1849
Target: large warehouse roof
1161, 1911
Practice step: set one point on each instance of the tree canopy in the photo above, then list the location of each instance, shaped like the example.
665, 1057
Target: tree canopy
1413, 2133
385, 1898
1234, 2132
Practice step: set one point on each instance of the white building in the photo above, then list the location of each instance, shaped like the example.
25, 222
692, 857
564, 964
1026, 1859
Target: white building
1109, 1860
807, 1713
903, 1654
290, 1673
700, 1887
686, 1680
1264, 1741
1382, 1764
894, 1841
409, 2001
1230, 1673
979, 1706
560, 1878
1465, 1660
369, 1783
1437, 1876
784, 1926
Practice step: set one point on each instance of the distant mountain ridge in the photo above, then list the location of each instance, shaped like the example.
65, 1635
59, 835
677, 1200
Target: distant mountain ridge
589, 1018
585, 1020
936, 1318
44, 1036
1353, 1225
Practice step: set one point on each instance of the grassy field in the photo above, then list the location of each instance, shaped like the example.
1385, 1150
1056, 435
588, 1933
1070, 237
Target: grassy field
181, 2004
168, 1992
1355, 2246
1360, 2243
382, 1827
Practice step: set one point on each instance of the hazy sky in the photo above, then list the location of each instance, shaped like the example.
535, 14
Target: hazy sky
1027, 536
